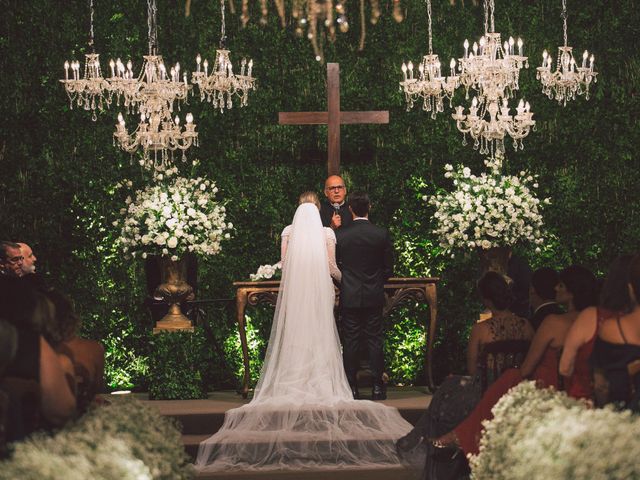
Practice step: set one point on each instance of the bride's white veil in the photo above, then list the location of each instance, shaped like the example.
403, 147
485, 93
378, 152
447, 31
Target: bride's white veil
302, 414
297, 362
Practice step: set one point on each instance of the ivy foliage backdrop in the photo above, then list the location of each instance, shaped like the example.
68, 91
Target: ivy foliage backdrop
59, 169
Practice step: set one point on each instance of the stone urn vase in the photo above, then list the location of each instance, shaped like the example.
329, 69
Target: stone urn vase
494, 259
173, 290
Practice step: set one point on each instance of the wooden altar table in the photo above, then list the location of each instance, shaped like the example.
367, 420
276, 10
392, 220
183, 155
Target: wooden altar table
397, 291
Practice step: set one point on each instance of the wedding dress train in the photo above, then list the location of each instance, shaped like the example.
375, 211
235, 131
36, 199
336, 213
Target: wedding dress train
303, 414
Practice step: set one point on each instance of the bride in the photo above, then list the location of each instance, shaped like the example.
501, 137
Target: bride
303, 414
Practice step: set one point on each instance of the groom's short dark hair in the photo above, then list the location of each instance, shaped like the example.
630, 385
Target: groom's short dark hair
359, 203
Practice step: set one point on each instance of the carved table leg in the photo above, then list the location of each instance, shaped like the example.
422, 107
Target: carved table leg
241, 304
432, 298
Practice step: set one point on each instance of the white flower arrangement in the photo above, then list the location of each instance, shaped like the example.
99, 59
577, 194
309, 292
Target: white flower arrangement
539, 434
124, 440
266, 272
171, 218
487, 210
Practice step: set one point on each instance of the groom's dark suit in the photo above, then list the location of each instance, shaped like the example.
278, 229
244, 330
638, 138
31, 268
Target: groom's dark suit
365, 256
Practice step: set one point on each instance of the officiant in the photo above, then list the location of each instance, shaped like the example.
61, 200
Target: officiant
334, 211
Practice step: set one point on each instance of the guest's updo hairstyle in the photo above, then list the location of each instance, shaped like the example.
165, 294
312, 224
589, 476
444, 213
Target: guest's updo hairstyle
581, 283
634, 277
309, 197
614, 295
493, 286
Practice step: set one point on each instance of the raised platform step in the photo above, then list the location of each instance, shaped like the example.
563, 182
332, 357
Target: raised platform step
380, 473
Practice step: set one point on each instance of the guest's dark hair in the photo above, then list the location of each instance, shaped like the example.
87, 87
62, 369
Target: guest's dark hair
634, 276
64, 323
359, 203
493, 286
544, 281
581, 282
4, 246
614, 295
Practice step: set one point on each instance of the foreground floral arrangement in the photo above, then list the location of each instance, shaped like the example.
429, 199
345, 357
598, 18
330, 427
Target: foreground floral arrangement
174, 217
121, 441
266, 272
544, 434
488, 210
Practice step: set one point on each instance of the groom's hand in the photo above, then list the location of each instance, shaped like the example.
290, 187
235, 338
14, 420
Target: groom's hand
336, 221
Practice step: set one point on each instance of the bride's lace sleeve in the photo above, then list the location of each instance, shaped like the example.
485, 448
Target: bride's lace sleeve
284, 241
331, 253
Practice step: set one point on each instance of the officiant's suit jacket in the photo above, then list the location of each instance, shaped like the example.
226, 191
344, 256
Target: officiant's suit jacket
365, 256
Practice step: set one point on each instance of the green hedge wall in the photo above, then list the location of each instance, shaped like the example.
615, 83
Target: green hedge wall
58, 168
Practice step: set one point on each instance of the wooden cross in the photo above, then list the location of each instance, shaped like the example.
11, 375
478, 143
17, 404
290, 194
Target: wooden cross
333, 118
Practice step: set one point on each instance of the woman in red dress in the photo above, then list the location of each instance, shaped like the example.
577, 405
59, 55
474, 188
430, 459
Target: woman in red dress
614, 301
576, 291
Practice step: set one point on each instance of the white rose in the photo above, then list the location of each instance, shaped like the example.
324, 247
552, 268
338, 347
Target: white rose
486, 244
172, 242
160, 240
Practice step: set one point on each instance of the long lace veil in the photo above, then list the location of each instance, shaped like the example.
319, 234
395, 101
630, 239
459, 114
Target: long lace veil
302, 414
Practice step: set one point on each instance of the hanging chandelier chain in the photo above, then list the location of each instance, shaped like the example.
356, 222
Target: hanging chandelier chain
429, 21
152, 11
486, 16
91, 25
564, 21
492, 8
223, 34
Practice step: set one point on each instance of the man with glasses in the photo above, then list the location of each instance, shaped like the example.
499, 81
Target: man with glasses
11, 259
334, 212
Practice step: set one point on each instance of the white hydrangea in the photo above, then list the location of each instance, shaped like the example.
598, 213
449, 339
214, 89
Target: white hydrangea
487, 210
538, 434
174, 217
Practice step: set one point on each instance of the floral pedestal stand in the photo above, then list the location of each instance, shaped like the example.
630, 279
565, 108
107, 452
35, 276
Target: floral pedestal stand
173, 290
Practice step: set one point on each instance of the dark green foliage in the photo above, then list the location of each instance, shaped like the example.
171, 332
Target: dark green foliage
58, 168
175, 365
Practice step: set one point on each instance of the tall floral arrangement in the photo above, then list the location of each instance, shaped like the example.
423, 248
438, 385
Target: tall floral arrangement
487, 210
537, 434
173, 217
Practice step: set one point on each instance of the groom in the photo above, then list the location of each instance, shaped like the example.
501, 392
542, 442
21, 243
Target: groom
365, 256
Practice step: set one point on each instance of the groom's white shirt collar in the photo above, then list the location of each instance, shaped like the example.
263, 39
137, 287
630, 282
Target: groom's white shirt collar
361, 218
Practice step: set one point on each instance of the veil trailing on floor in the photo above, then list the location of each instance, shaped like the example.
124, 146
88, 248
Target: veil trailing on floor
302, 414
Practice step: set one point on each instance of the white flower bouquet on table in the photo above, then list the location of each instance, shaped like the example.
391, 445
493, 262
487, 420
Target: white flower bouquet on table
487, 210
172, 218
266, 272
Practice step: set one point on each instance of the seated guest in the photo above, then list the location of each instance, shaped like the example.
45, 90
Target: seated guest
519, 271
10, 259
542, 295
34, 360
614, 300
28, 259
8, 344
87, 356
576, 291
458, 394
617, 344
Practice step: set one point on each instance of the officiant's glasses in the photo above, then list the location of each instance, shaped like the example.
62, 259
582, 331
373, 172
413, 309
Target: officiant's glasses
337, 188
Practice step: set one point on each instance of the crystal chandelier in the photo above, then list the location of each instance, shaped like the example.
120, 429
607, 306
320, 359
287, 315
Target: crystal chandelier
90, 92
153, 94
568, 79
430, 85
488, 123
219, 85
492, 69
